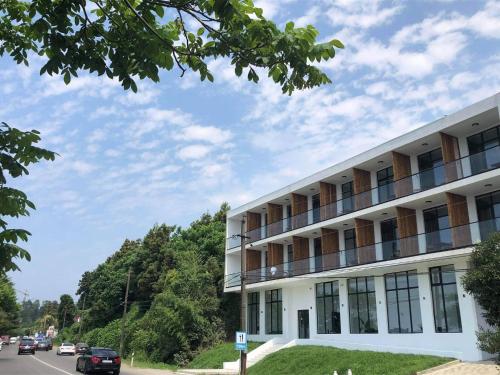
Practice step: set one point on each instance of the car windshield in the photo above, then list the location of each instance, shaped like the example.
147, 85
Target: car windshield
42, 342
105, 352
27, 342
67, 344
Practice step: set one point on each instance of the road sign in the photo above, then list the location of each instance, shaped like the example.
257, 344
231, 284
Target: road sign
241, 341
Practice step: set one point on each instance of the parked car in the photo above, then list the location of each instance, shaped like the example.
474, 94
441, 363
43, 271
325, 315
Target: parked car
5, 339
81, 348
99, 360
49, 343
42, 345
13, 340
26, 346
66, 348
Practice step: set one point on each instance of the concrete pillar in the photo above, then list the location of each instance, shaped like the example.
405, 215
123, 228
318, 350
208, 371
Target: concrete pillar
374, 184
378, 240
414, 171
473, 219
422, 245
463, 148
381, 305
344, 307
342, 248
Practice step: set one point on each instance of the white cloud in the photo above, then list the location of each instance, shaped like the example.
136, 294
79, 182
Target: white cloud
361, 14
193, 152
82, 167
209, 134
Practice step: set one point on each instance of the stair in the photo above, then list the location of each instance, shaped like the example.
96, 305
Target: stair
259, 353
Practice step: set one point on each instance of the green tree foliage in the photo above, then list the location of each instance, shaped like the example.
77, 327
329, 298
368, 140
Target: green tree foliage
482, 280
65, 311
17, 152
9, 309
30, 312
137, 38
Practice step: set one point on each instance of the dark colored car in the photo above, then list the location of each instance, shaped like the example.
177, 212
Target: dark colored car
26, 346
42, 345
81, 348
49, 343
99, 360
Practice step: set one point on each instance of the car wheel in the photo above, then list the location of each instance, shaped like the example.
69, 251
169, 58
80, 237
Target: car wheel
18, 353
86, 369
116, 372
77, 367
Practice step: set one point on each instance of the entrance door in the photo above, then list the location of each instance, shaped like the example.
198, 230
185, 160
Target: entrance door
303, 317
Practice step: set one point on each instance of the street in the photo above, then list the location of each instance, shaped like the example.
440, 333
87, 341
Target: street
48, 363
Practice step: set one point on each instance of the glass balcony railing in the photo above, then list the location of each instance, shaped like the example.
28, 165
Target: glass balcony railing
424, 243
427, 179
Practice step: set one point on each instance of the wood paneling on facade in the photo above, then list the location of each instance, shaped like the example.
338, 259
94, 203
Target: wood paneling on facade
330, 248
365, 240
362, 184
402, 168
274, 254
458, 215
300, 255
449, 148
407, 228
253, 259
327, 200
275, 219
299, 210
253, 226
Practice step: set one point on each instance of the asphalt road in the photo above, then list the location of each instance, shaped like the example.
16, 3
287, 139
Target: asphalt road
42, 363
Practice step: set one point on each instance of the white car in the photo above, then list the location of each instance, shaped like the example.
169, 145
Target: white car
13, 340
66, 348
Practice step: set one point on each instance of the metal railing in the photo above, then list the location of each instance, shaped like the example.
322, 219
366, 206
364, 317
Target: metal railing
427, 179
331, 259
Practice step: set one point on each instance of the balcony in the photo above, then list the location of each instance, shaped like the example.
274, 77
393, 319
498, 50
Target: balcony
424, 180
424, 243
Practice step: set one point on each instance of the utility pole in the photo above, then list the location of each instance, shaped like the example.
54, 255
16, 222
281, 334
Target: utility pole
243, 300
122, 336
81, 317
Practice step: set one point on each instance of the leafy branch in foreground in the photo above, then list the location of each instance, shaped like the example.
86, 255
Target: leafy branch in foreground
125, 39
17, 152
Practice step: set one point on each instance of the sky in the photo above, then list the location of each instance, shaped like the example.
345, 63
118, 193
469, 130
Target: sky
181, 147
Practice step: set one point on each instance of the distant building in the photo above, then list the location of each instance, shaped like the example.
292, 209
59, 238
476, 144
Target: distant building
368, 254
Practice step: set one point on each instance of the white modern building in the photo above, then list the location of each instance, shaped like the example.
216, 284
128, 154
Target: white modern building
368, 254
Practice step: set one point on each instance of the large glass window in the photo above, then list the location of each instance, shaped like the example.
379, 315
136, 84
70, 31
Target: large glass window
274, 323
253, 313
385, 183
362, 305
350, 247
289, 217
318, 256
445, 299
437, 229
488, 213
390, 238
316, 208
289, 251
403, 304
328, 307
484, 151
431, 169
347, 197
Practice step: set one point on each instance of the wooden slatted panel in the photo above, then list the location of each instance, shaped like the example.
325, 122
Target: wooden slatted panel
274, 217
253, 259
253, 226
449, 148
365, 240
300, 255
275, 254
458, 215
361, 184
327, 200
407, 228
402, 170
330, 248
299, 210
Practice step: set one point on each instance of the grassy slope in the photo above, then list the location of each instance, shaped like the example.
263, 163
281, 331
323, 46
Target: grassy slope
214, 357
317, 360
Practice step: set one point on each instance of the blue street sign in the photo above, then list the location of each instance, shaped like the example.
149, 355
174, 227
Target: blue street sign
241, 341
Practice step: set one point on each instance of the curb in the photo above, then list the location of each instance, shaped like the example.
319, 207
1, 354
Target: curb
440, 367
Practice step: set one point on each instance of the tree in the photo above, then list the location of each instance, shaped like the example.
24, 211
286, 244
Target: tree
65, 311
482, 280
17, 152
131, 39
9, 310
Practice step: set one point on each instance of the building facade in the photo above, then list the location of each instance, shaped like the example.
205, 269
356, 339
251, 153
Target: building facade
368, 254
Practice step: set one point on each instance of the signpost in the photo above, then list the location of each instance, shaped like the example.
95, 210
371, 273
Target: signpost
241, 343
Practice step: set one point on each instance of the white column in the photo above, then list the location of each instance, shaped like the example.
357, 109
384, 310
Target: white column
474, 227
338, 188
344, 307
311, 255
378, 240
342, 257
464, 151
309, 210
425, 294
374, 184
381, 305
421, 230
414, 169
263, 263
262, 308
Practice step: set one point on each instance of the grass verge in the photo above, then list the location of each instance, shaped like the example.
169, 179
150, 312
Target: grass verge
154, 365
319, 360
214, 357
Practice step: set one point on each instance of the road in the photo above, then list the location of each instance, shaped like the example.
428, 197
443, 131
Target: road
48, 363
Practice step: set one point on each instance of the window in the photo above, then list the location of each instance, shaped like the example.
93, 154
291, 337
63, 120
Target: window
385, 183
347, 197
484, 150
431, 169
289, 217
362, 305
403, 304
289, 251
316, 208
350, 247
390, 238
437, 228
318, 255
266, 260
328, 307
488, 213
445, 299
253, 313
273, 312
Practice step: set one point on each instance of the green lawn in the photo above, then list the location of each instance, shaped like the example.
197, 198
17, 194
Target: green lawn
319, 360
147, 364
214, 357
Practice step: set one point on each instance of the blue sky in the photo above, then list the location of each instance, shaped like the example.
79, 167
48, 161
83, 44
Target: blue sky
182, 147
